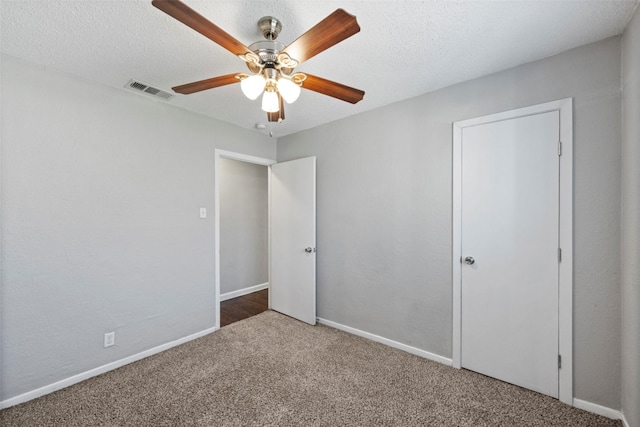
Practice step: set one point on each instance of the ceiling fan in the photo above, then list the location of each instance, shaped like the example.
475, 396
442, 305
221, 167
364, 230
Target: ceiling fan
270, 63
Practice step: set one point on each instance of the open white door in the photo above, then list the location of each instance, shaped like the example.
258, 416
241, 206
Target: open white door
292, 213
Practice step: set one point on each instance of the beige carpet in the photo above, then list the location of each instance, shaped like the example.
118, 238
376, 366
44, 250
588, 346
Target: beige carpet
270, 370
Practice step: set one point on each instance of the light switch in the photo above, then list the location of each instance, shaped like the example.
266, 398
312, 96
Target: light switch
203, 212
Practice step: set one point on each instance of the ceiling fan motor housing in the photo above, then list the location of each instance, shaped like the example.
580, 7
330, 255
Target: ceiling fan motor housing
267, 50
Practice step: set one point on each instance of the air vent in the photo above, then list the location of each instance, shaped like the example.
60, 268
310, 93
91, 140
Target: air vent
149, 90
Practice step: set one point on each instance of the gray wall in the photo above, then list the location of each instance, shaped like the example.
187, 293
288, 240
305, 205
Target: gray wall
101, 191
631, 223
243, 225
385, 197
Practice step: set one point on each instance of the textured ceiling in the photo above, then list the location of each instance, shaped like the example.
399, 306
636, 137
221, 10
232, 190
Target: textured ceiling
405, 48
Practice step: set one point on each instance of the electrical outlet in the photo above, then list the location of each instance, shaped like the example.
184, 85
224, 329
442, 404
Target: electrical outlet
109, 339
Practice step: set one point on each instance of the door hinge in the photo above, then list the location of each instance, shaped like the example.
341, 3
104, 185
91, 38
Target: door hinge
559, 362
559, 254
559, 148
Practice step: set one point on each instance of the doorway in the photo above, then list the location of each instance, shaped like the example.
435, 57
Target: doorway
512, 253
292, 235
241, 235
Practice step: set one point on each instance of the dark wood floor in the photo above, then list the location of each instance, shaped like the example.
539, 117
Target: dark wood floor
240, 308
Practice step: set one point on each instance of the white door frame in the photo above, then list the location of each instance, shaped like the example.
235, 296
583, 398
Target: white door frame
565, 275
243, 158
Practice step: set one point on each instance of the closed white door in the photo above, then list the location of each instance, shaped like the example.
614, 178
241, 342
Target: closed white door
509, 246
293, 239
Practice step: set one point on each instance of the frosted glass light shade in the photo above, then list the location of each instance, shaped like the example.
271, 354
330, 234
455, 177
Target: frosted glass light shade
289, 90
252, 86
270, 102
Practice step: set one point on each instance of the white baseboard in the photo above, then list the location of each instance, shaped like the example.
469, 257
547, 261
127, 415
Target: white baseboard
625, 423
99, 370
600, 410
386, 341
245, 291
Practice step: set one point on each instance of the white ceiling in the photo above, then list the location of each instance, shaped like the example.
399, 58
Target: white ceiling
404, 48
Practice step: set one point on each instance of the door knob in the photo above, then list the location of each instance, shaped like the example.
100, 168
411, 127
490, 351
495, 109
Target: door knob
469, 260
308, 250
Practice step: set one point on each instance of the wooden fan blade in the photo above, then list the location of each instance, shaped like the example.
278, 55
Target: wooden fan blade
206, 84
326, 33
183, 13
278, 116
336, 90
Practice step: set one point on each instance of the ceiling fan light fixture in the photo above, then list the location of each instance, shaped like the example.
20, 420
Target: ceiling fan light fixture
288, 89
253, 86
270, 102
